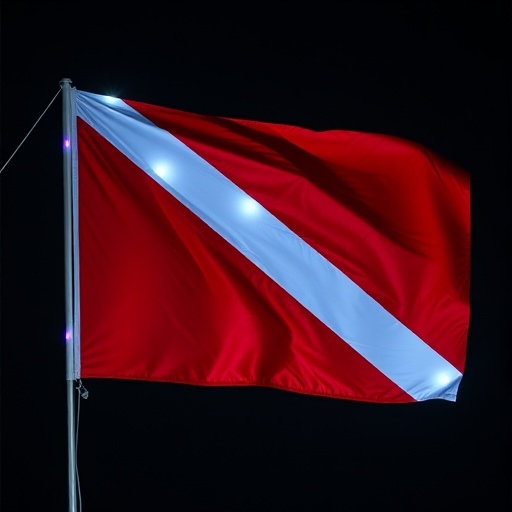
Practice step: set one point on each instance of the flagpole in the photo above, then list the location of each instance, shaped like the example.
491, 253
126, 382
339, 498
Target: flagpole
68, 124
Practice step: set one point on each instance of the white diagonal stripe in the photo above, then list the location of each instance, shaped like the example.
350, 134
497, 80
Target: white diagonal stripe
304, 273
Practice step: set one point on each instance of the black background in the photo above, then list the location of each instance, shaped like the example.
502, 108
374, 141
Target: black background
435, 73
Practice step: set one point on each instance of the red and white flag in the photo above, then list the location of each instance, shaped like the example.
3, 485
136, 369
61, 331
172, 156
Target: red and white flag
218, 251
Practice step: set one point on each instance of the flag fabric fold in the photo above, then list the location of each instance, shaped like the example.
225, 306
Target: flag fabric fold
219, 251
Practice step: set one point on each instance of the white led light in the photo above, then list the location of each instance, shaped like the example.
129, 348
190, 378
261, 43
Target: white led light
443, 379
162, 171
110, 99
249, 206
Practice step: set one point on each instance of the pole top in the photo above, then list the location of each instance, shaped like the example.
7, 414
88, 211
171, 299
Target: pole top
65, 81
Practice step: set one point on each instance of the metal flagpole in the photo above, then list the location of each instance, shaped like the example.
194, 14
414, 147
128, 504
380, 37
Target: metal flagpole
68, 124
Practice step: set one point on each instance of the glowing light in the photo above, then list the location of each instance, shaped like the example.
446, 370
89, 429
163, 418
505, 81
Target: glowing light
249, 206
162, 171
443, 379
68, 335
66, 143
110, 99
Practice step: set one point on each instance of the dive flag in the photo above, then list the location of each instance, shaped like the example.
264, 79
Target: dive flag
227, 252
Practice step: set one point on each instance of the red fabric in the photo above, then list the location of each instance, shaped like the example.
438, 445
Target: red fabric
394, 217
163, 297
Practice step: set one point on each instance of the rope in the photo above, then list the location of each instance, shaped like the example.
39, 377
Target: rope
15, 151
81, 393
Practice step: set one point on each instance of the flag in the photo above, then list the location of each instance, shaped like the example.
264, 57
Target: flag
228, 252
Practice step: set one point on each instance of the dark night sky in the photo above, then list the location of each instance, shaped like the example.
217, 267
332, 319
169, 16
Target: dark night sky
435, 73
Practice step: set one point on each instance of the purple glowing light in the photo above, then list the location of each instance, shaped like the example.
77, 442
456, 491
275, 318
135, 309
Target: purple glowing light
68, 335
66, 143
